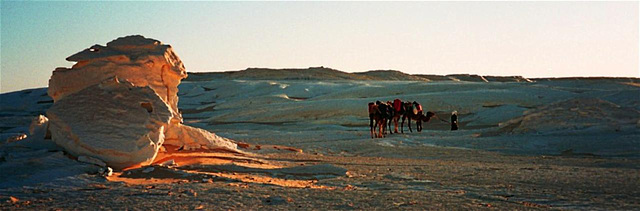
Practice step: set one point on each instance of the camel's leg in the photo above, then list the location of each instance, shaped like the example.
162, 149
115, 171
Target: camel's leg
409, 124
371, 125
371, 132
382, 126
402, 124
373, 129
391, 122
395, 124
419, 125
387, 126
381, 129
377, 129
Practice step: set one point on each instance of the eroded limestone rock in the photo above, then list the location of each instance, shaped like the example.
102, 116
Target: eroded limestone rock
119, 102
116, 122
138, 60
194, 138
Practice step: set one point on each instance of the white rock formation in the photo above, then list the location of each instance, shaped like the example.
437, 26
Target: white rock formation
138, 60
113, 121
119, 104
573, 116
38, 127
38, 137
195, 138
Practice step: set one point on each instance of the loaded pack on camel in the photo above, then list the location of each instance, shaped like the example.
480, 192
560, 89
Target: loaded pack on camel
399, 111
397, 105
417, 108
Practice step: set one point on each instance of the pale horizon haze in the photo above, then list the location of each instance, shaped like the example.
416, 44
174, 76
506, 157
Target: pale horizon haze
530, 39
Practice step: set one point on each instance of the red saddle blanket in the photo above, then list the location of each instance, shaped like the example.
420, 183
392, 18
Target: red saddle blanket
397, 105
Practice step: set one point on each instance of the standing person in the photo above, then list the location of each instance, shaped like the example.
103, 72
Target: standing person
454, 120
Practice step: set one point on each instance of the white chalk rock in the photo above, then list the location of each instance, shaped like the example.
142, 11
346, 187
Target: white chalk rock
106, 172
123, 124
169, 163
37, 131
116, 122
195, 138
38, 127
139, 60
38, 137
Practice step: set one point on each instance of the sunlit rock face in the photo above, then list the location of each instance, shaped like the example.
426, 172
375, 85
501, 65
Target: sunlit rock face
113, 121
194, 138
138, 60
119, 104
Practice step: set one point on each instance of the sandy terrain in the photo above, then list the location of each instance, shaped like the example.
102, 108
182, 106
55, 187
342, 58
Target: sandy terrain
569, 144
450, 178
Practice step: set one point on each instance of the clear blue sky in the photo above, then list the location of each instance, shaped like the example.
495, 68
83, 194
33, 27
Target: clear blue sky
532, 39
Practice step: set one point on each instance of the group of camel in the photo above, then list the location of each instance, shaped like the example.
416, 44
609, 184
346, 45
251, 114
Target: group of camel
382, 114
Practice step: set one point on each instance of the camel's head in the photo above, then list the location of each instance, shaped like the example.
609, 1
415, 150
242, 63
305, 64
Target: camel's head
430, 114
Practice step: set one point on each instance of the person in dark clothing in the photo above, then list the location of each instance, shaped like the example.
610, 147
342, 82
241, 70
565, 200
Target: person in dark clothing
454, 120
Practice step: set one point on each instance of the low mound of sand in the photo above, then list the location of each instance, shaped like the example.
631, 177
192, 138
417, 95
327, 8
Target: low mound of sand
578, 115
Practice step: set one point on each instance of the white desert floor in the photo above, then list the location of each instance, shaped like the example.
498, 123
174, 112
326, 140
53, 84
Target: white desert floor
571, 144
588, 117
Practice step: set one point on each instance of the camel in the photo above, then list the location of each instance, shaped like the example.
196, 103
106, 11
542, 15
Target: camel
386, 113
380, 114
413, 111
373, 117
407, 114
391, 112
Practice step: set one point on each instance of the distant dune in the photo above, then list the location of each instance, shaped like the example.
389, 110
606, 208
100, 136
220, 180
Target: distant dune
312, 73
325, 73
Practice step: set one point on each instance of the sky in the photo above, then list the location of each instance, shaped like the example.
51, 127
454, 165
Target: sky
531, 39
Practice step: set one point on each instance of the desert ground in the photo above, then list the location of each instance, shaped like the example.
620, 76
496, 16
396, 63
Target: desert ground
569, 143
